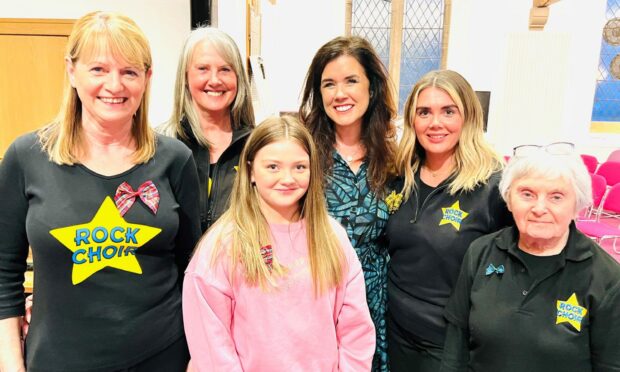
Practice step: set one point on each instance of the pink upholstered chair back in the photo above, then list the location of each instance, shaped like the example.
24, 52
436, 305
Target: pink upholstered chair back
611, 171
612, 200
599, 186
614, 156
590, 161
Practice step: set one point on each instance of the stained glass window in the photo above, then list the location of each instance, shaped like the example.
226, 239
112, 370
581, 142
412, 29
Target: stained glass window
606, 106
421, 41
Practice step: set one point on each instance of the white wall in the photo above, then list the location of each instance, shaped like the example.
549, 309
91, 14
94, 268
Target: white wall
165, 23
481, 47
584, 21
478, 29
291, 33
231, 18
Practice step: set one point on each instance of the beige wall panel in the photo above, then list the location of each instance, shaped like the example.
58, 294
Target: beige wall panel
32, 73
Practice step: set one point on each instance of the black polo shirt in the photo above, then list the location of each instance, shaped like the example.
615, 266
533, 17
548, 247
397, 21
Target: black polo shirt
568, 319
428, 238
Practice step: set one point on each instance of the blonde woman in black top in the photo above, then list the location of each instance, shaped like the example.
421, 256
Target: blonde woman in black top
449, 180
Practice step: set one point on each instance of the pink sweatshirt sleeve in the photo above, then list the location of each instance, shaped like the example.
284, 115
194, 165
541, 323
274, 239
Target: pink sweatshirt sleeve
207, 315
354, 327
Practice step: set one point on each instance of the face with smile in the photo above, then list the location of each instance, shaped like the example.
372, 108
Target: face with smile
345, 91
542, 208
281, 174
437, 122
211, 80
110, 89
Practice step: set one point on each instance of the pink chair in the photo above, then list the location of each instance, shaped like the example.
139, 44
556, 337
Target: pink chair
614, 156
590, 161
601, 231
611, 171
599, 187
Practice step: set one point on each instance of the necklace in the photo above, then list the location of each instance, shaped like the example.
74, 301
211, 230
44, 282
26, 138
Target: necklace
353, 156
437, 173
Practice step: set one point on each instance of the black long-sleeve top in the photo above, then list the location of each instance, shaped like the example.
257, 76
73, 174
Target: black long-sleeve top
106, 289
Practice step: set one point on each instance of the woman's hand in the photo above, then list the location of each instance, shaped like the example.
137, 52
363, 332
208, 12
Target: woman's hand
27, 316
11, 355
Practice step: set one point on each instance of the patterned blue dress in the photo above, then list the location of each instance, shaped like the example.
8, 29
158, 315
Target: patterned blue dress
351, 202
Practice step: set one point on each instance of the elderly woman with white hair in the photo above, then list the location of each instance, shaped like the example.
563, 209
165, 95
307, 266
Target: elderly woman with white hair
538, 296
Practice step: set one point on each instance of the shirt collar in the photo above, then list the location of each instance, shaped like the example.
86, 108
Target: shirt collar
578, 247
243, 131
445, 182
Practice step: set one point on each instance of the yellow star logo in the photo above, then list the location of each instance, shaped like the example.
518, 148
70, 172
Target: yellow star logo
107, 240
453, 215
393, 201
570, 312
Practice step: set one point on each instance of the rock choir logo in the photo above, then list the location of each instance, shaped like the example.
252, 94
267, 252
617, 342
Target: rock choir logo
106, 241
570, 312
453, 215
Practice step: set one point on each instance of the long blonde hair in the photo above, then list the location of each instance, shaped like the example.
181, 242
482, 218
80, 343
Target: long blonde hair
475, 160
250, 229
241, 110
120, 36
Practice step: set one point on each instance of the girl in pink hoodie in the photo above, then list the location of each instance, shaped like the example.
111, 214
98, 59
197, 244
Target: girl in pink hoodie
275, 285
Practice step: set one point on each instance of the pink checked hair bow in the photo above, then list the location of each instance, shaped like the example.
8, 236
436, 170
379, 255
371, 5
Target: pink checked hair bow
126, 196
267, 253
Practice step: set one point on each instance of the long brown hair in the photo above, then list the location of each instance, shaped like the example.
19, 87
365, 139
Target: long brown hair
378, 131
250, 229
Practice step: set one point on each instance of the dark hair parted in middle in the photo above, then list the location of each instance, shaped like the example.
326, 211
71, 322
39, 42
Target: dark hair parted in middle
378, 132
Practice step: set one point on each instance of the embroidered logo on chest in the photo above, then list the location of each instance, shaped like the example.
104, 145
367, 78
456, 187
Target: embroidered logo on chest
570, 312
107, 240
393, 201
453, 215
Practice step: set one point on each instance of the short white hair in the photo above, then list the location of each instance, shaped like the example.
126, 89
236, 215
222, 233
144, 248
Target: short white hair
569, 167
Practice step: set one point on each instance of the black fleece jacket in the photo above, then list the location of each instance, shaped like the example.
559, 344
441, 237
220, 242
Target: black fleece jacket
211, 208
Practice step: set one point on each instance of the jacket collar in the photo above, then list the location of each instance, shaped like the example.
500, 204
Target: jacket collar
443, 183
578, 247
243, 131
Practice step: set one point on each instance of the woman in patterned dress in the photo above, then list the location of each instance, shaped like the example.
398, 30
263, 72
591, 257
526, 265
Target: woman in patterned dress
348, 107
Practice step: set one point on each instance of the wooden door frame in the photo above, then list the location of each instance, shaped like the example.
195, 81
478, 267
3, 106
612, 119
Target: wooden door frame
36, 26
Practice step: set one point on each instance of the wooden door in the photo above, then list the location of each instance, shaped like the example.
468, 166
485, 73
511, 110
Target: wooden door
32, 72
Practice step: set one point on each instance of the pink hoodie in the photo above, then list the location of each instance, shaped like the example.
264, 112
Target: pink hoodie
235, 327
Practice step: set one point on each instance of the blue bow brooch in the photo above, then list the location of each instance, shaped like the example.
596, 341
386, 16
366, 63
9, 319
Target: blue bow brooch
497, 270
